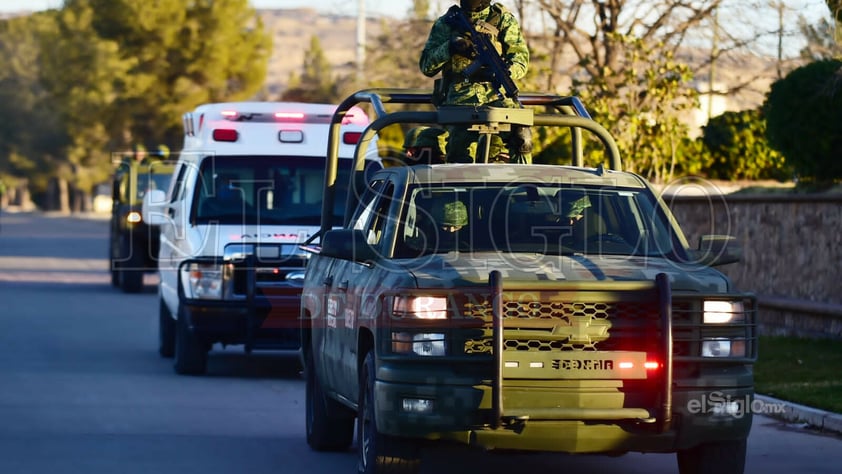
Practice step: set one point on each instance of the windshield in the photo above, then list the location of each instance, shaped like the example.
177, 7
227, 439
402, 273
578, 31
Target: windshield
150, 181
266, 190
548, 219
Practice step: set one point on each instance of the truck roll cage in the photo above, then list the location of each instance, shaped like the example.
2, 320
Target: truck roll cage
562, 111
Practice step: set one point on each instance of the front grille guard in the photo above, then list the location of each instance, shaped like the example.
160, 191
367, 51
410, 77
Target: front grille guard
650, 306
662, 418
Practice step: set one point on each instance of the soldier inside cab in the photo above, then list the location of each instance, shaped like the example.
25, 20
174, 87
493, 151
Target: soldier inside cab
425, 145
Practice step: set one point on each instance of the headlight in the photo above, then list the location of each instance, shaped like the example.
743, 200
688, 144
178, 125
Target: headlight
205, 281
422, 344
134, 217
723, 347
723, 312
420, 307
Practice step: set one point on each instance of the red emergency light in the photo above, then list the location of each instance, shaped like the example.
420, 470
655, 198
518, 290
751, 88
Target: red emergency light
351, 138
225, 135
648, 365
289, 115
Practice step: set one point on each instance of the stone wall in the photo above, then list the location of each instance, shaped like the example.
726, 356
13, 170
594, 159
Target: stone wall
792, 254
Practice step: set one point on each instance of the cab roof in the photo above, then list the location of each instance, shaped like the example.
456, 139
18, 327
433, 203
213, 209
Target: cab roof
267, 129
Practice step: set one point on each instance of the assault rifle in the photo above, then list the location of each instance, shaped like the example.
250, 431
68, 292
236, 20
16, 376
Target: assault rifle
486, 54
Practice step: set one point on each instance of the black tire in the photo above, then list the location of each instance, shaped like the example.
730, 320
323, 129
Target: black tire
726, 457
131, 271
166, 331
330, 426
113, 258
191, 354
115, 273
378, 453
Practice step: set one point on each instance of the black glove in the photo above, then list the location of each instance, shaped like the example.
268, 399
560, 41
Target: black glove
462, 46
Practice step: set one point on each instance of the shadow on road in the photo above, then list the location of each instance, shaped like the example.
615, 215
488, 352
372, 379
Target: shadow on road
233, 362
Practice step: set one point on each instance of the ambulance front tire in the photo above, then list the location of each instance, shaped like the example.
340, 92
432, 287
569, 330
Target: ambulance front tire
166, 331
191, 353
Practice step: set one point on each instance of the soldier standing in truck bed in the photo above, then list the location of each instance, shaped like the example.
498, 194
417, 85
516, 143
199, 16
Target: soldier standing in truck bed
451, 52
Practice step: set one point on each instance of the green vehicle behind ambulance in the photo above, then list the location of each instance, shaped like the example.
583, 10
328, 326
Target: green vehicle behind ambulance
520, 307
133, 244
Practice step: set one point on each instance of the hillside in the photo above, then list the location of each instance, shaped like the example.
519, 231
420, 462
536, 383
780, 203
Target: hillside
292, 30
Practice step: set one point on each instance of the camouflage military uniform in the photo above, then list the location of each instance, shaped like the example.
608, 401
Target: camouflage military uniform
461, 90
426, 145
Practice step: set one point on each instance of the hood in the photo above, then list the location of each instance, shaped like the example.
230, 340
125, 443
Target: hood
210, 240
470, 269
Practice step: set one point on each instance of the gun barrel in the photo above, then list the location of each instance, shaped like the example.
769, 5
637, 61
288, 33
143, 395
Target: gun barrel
487, 54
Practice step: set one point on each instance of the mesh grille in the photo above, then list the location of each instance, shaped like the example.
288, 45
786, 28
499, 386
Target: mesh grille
565, 325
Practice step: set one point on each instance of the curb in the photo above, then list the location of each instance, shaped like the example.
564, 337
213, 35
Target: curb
794, 413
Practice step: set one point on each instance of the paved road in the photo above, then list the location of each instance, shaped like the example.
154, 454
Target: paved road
82, 389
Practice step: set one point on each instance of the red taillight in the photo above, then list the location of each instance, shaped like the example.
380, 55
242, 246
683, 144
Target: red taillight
651, 365
351, 138
225, 135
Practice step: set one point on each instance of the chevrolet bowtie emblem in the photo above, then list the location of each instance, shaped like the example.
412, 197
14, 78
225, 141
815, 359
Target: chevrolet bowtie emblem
584, 330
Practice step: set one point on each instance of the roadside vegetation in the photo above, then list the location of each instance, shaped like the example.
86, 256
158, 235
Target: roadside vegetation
97, 77
801, 370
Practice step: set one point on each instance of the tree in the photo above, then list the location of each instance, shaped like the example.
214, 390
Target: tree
392, 61
117, 73
31, 133
835, 7
739, 149
83, 76
629, 71
394, 54
804, 120
821, 43
185, 52
316, 82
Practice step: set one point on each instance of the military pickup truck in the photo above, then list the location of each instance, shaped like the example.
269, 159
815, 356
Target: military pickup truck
133, 243
520, 307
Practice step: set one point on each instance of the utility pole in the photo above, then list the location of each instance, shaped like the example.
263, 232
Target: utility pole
714, 52
360, 39
780, 6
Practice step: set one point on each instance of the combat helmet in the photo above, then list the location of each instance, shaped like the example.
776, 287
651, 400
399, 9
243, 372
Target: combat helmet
454, 214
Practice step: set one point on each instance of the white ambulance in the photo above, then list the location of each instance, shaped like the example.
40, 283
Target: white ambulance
245, 193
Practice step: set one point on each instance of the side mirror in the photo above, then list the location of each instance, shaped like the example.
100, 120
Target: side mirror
348, 244
718, 250
155, 207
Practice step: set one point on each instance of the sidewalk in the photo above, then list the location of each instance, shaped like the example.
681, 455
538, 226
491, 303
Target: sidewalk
794, 413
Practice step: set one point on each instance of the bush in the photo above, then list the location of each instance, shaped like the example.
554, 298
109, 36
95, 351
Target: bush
804, 120
739, 149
